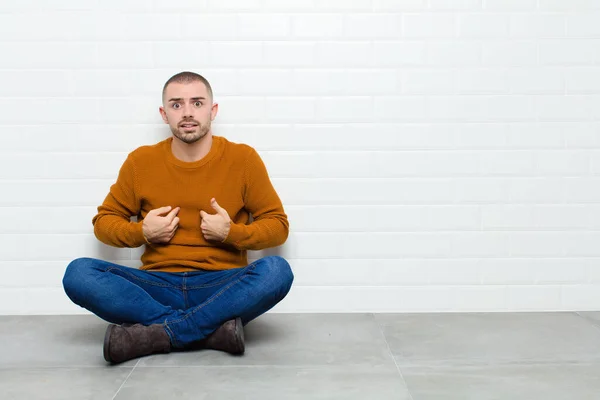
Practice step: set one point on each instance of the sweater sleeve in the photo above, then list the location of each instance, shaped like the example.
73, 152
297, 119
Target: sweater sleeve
112, 224
270, 227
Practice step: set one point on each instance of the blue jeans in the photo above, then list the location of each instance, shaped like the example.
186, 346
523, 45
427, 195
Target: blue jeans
190, 305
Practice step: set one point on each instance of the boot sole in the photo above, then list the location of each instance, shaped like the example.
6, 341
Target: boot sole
239, 334
107, 335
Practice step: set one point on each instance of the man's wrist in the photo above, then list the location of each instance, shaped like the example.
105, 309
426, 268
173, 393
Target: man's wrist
226, 231
145, 238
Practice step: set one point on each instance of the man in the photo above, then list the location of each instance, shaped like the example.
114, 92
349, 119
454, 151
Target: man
193, 194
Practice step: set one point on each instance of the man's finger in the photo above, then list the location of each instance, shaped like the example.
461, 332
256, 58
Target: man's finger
161, 210
174, 224
203, 214
173, 213
218, 208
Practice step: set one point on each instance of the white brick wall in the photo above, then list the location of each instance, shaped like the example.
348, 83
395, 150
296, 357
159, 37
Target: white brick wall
433, 155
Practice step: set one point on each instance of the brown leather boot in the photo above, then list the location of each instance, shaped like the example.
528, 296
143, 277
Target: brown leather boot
228, 337
125, 343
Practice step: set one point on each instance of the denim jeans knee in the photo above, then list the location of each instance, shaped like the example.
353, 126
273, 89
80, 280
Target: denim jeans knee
279, 268
74, 274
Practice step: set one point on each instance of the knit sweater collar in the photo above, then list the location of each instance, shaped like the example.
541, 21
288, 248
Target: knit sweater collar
215, 149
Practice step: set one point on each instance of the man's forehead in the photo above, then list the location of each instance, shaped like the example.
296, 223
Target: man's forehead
186, 90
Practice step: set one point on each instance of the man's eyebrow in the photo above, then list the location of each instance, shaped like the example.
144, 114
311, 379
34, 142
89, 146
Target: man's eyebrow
180, 99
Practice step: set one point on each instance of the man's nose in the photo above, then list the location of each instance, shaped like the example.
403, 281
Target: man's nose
187, 111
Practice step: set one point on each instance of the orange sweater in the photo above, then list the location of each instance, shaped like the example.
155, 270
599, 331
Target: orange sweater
151, 177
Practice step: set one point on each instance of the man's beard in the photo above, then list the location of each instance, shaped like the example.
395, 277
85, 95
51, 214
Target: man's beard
192, 137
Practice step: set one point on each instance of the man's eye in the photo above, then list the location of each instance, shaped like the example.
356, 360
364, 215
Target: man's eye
176, 105
197, 104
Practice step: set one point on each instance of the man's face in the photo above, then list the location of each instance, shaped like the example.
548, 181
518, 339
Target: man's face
188, 109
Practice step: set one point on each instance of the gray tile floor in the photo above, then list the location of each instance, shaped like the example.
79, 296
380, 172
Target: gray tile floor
319, 356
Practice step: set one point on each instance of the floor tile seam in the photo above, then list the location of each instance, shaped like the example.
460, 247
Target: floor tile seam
535, 363
126, 379
594, 323
300, 366
380, 329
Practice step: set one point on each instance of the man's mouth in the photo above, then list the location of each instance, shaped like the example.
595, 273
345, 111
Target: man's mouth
188, 126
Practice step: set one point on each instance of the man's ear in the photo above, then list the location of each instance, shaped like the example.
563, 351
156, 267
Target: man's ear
163, 114
214, 110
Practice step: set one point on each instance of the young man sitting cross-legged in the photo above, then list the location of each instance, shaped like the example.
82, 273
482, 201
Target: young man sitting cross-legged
193, 194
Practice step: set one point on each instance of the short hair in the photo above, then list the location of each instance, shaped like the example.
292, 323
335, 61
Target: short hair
188, 77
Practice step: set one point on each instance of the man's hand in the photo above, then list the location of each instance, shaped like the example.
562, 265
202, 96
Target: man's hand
159, 229
215, 226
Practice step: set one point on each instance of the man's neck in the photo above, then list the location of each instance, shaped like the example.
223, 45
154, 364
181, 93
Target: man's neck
191, 152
